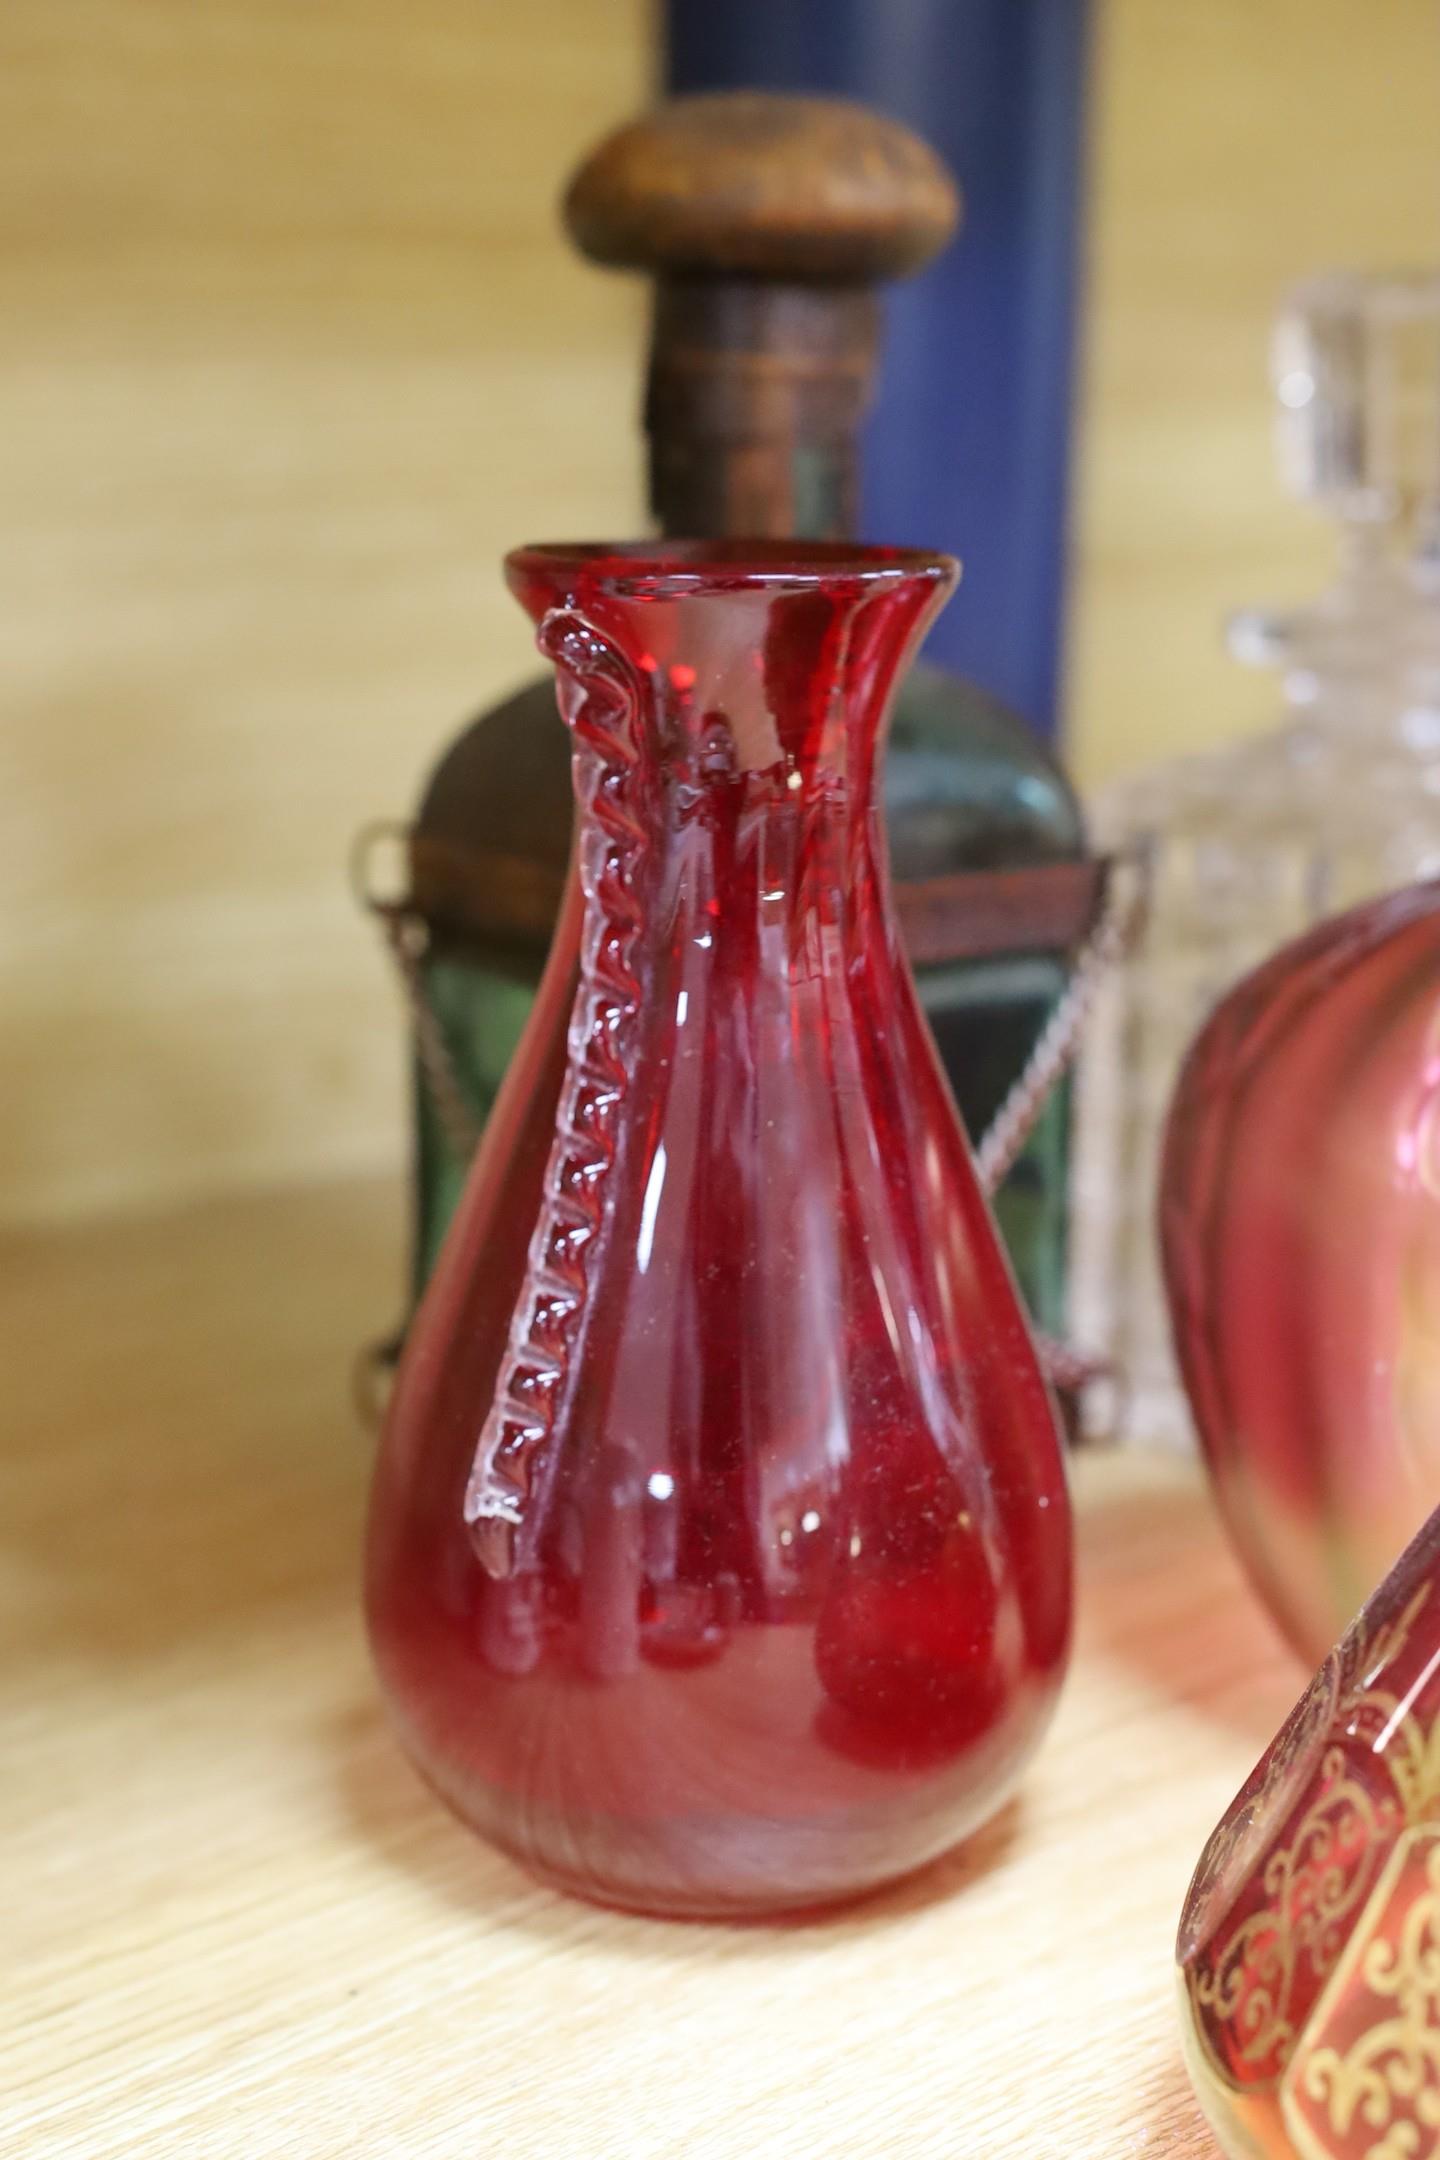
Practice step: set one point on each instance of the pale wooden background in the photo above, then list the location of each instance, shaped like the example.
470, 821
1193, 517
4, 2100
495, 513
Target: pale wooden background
290, 350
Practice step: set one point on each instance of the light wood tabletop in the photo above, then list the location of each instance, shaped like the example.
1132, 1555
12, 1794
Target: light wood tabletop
238, 1928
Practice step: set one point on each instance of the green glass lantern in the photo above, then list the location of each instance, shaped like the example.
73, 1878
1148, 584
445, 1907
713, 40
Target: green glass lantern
766, 223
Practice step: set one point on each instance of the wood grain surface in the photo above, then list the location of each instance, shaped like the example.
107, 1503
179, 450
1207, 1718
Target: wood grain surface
236, 1927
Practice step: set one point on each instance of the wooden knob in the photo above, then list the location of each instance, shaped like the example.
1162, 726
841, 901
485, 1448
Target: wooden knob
748, 184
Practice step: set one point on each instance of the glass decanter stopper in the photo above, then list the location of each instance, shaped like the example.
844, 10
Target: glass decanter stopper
719, 1551
1309, 1945
1239, 851
1300, 1235
767, 224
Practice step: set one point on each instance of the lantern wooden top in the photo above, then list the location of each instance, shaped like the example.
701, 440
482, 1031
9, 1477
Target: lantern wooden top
754, 184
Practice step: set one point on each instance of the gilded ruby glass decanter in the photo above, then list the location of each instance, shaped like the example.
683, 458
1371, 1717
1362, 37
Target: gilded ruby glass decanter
1300, 1230
1309, 1946
719, 1554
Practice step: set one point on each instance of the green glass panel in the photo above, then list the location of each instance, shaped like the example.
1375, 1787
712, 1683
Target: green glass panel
482, 1008
986, 1016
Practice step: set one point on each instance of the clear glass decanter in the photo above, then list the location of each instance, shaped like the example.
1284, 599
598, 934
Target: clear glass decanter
1239, 851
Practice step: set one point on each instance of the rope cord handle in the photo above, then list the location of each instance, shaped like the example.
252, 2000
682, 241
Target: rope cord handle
1059, 1040
1065, 1365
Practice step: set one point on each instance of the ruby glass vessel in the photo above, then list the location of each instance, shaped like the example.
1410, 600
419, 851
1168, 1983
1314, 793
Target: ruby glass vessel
719, 1551
1300, 1231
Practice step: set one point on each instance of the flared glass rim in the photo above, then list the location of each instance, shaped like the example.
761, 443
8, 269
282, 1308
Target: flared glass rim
659, 569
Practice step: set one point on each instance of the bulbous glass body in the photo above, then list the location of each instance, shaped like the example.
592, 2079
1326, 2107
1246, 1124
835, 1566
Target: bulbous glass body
1309, 1944
719, 1553
1300, 1230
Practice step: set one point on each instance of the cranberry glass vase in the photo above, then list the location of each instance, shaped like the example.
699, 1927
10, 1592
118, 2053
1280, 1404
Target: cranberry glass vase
1300, 1227
719, 1555
1309, 1946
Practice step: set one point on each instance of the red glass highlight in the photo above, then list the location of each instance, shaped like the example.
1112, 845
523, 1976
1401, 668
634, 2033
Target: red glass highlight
719, 1553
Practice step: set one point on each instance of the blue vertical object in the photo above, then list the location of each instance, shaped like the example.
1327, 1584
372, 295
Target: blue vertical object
968, 447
